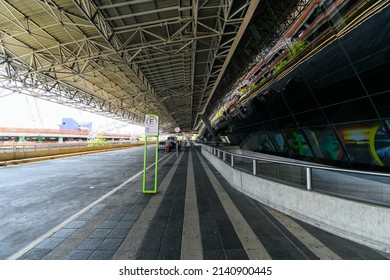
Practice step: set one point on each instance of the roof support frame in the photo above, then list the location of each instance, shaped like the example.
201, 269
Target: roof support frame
134, 56
100, 23
36, 58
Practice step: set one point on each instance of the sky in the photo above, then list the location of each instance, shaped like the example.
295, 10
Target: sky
22, 111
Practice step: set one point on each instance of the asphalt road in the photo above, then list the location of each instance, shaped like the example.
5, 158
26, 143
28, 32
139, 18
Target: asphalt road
38, 196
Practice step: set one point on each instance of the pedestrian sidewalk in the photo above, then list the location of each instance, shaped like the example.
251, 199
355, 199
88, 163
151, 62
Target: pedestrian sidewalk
196, 214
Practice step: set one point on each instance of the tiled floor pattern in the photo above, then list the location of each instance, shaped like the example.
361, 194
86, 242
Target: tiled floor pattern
133, 225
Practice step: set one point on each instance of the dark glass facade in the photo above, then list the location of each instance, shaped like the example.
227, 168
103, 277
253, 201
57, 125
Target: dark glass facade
334, 107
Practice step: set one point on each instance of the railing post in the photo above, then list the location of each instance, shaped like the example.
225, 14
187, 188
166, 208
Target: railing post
254, 167
219, 154
224, 156
308, 178
232, 161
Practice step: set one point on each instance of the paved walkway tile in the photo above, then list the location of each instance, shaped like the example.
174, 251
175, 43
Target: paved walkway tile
196, 214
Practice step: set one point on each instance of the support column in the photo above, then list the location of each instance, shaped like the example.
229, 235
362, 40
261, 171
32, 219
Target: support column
207, 123
187, 139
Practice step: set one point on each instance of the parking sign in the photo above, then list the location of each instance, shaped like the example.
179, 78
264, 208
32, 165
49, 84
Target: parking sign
151, 125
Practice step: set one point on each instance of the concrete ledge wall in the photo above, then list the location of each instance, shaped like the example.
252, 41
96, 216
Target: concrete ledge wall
359, 222
45, 153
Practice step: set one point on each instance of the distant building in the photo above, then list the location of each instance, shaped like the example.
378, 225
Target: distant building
71, 124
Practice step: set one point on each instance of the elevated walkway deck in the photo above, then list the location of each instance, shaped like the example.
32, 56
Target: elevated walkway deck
196, 214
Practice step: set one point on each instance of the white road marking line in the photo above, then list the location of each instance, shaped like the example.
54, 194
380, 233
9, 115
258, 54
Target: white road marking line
130, 245
252, 245
191, 244
312, 243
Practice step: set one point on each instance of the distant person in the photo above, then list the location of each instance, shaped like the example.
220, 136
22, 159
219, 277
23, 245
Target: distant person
167, 146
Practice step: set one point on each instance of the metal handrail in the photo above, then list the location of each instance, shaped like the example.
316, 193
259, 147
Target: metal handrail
215, 151
304, 165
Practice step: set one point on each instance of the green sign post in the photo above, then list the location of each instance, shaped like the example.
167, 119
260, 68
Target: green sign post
151, 131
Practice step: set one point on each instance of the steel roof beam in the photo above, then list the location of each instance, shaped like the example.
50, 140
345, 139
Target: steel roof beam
126, 3
173, 8
34, 63
100, 23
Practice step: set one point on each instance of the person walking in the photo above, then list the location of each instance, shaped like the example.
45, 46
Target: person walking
167, 146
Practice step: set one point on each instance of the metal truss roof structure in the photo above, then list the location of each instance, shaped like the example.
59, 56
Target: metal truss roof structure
121, 58
124, 59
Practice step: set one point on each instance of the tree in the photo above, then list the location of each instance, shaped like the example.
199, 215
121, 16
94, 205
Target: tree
98, 142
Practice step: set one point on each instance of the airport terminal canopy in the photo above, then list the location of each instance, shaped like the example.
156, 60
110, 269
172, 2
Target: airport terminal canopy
120, 58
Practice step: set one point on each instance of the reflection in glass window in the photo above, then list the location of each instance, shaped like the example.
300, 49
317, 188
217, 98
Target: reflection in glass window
297, 142
278, 141
265, 143
382, 144
224, 139
324, 143
366, 142
259, 142
250, 143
